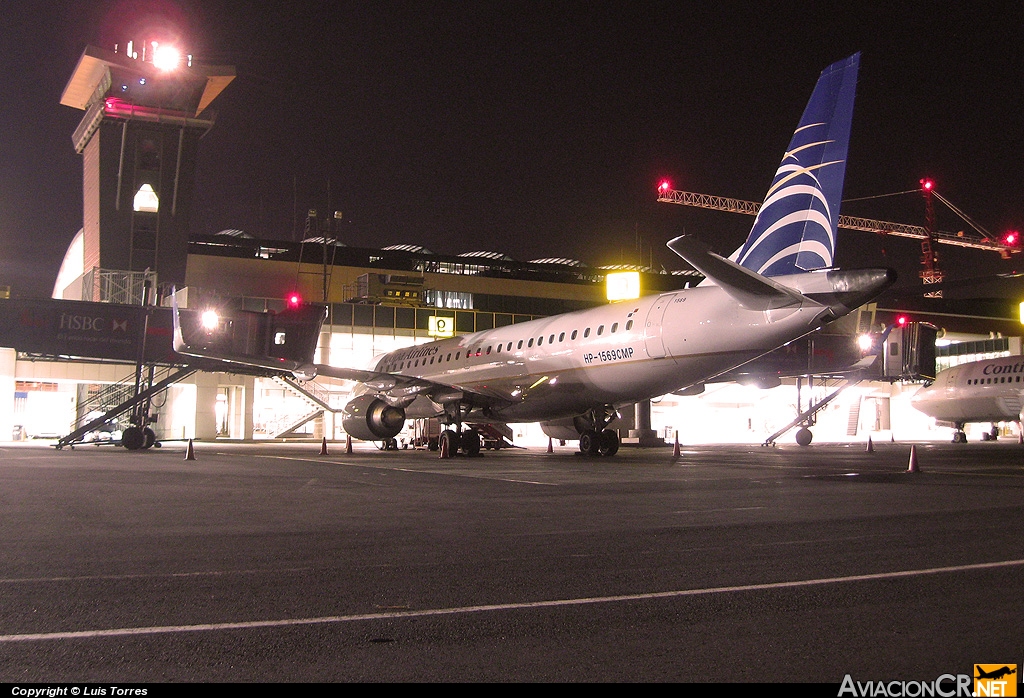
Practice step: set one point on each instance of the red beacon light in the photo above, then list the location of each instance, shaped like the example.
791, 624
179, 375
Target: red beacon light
1012, 238
664, 186
901, 321
294, 300
927, 184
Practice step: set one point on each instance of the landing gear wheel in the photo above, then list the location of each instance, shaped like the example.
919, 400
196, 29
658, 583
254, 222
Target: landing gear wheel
149, 437
608, 443
471, 442
133, 439
448, 443
959, 437
804, 436
590, 443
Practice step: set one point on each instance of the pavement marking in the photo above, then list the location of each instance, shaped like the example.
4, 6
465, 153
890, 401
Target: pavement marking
324, 620
426, 471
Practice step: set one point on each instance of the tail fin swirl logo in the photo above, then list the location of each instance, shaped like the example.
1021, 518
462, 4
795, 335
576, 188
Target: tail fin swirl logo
795, 229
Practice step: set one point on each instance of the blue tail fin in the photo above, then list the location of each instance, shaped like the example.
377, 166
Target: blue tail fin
795, 229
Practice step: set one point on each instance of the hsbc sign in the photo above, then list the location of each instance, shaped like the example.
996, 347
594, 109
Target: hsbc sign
88, 323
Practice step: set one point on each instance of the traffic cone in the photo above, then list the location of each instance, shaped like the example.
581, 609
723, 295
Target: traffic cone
675, 449
551, 445
444, 447
871, 446
348, 443
323, 447
190, 453
912, 468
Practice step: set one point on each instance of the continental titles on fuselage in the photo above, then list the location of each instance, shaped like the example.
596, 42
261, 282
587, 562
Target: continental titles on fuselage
997, 369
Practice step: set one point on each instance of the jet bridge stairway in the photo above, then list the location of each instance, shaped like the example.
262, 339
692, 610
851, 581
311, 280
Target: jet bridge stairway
316, 396
154, 389
806, 418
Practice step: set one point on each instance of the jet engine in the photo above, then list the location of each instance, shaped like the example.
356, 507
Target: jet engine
371, 419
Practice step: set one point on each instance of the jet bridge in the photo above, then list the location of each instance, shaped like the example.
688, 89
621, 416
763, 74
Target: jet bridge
142, 336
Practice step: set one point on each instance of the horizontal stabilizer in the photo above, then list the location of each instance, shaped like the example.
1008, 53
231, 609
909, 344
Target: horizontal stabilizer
749, 289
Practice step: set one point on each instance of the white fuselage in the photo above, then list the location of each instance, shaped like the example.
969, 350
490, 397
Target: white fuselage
982, 391
616, 354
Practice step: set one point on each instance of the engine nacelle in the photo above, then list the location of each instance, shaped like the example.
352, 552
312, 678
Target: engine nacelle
371, 419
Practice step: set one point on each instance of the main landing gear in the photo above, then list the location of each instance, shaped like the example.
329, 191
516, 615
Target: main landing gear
595, 438
452, 441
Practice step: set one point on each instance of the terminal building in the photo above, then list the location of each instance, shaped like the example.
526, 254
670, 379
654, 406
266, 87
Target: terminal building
138, 138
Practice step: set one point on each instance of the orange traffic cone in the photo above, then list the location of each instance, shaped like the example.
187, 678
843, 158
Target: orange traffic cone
912, 468
675, 449
323, 447
551, 445
348, 443
190, 453
871, 446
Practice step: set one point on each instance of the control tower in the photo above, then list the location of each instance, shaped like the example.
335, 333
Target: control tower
146, 106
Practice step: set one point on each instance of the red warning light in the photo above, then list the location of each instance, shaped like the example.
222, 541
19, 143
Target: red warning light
901, 321
294, 300
1012, 238
664, 186
927, 184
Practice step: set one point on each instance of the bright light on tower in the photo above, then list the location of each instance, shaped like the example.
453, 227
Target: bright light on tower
165, 57
664, 186
927, 184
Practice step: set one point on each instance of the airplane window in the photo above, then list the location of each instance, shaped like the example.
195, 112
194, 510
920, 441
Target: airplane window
586, 332
499, 348
509, 347
448, 358
520, 345
530, 343
573, 335
457, 355
551, 339
540, 340
629, 325
488, 350
600, 330
561, 337
615, 327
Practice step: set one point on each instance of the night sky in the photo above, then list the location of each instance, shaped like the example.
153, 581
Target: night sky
533, 129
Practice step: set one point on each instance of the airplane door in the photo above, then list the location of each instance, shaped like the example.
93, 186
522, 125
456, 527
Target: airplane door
654, 338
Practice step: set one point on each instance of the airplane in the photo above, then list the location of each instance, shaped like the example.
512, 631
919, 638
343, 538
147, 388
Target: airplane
995, 673
991, 390
573, 372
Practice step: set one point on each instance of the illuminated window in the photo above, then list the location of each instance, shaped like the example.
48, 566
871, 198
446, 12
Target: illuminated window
145, 199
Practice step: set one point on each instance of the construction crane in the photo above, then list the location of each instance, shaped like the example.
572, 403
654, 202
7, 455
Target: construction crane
982, 241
